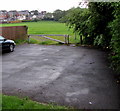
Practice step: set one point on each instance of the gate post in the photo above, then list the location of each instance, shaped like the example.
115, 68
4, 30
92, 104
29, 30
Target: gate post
68, 39
28, 39
65, 39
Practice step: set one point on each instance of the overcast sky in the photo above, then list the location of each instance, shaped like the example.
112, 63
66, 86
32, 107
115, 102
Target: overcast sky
41, 5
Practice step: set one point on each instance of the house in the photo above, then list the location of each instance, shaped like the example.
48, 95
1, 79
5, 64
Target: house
13, 14
37, 15
3, 15
24, 15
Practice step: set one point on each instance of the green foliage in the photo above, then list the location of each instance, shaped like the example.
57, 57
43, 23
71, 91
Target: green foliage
115, 41
98, 40
98, 25
48, 17
101, 15
58, 14
78, 19
105, 23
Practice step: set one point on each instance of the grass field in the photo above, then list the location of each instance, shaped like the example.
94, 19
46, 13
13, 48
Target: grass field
47, 27
44, 27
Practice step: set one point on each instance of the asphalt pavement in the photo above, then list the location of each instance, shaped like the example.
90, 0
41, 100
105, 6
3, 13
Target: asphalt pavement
79, 77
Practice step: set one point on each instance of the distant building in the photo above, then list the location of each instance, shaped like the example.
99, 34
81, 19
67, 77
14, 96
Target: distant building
37, 15
13, 14
21, 15
24, 12
24, 15
3, 15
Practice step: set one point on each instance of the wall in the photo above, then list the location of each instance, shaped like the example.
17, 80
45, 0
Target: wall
14, 32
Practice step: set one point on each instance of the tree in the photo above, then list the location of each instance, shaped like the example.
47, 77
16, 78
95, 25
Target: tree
101, 15
48, 16
78, 19
115, 41
99, 25
58, 14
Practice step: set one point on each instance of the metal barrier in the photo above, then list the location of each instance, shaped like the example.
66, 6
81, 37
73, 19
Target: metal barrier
66, 37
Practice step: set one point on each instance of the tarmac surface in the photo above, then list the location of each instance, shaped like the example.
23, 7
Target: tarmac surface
79, 77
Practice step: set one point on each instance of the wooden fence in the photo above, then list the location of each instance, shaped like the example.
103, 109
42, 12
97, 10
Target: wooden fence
14, 32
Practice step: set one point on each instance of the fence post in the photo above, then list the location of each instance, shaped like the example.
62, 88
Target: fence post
65, 39
68, 39
28, 39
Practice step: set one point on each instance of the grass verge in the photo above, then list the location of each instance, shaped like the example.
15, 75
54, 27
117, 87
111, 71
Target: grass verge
12, 102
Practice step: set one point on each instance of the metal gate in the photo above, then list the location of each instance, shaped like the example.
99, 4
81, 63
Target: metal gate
48, 36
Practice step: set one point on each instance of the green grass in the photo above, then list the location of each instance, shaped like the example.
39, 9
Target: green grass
12, 102
0, 102
47, 27
18, 42
44, 27
42, 41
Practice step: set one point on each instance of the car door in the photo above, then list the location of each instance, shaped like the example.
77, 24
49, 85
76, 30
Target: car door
3, 44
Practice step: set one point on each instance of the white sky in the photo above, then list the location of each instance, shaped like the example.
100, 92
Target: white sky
41, 5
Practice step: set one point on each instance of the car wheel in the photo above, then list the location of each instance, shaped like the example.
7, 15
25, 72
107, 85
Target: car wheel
11, 48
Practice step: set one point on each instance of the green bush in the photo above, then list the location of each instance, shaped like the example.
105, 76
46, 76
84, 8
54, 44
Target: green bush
115, 41
99, 25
